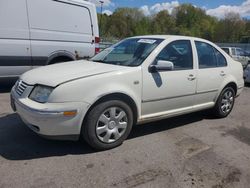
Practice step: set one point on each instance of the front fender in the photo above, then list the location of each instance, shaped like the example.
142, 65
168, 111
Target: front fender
91, 89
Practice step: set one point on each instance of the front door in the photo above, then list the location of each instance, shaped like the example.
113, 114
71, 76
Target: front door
170, 91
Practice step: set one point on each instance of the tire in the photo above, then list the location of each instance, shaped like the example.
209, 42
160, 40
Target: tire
225, 103
104, 129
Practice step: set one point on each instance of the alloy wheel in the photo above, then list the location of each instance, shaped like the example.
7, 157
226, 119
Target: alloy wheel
227, 101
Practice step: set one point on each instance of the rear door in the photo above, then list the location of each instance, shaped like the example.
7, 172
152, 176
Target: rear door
211, 72
15, 53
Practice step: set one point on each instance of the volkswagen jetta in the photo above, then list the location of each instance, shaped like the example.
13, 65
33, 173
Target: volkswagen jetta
138, 80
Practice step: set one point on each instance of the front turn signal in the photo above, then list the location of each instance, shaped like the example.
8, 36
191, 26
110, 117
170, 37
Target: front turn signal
70, 113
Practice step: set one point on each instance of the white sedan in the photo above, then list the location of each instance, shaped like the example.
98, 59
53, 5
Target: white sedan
138, 80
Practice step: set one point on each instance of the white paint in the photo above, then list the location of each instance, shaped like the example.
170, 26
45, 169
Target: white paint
44, 28
85, 82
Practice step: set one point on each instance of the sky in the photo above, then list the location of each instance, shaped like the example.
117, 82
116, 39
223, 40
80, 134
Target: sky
216, 8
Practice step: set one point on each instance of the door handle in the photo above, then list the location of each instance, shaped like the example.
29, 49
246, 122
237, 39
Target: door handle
222, 73
191, 77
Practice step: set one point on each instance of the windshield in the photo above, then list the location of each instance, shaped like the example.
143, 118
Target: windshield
129, 52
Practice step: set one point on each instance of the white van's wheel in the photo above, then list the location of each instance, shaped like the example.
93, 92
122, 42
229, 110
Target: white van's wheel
60, 60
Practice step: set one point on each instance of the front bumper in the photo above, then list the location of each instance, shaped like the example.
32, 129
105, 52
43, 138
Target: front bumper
49, 120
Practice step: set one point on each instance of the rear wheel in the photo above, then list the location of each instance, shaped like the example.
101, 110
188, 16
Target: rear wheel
60, 60
108, 124
225, 103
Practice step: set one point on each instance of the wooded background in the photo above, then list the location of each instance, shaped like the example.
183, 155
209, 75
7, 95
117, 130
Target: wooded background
184, 20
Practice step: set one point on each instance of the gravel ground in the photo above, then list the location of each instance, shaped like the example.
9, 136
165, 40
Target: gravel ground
194, 150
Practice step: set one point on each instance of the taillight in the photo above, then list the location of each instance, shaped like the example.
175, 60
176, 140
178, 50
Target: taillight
97, 45
97, 50
97, 40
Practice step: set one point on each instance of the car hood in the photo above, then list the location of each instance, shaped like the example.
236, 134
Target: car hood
53, 75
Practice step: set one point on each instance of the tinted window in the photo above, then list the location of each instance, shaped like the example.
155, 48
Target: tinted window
221, 60
209, 57
206, 55
179, 53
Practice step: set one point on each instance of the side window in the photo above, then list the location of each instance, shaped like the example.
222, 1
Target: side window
221, 60
179, 53
206, 55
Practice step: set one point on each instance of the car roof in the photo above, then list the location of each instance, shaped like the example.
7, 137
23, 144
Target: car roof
174, 37
180, 37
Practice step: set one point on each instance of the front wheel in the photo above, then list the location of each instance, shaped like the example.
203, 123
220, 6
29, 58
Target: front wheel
108, 124
225, 103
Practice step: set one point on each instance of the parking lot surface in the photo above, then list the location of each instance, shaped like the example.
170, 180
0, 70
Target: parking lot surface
194, 150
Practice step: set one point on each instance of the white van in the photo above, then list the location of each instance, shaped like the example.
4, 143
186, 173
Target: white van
41, 32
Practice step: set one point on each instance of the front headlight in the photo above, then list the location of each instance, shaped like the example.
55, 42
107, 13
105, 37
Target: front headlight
41, 93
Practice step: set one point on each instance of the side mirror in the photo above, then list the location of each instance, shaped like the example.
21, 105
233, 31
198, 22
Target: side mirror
161, 66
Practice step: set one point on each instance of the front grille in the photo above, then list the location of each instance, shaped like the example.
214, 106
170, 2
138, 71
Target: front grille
20, 87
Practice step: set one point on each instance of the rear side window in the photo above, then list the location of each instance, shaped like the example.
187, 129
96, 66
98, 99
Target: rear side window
221, 60
209, 57
179, 53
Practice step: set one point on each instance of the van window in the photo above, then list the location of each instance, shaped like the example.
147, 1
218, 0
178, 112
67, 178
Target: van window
59, 16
